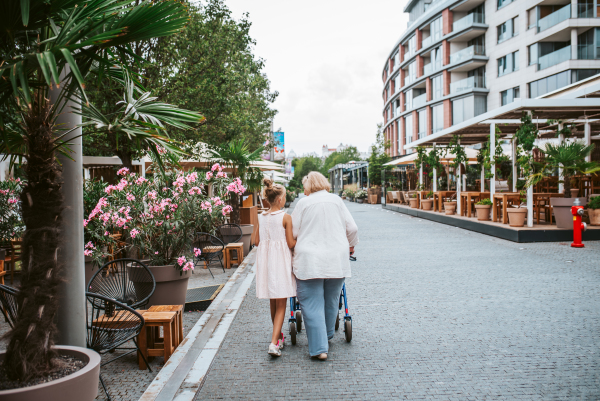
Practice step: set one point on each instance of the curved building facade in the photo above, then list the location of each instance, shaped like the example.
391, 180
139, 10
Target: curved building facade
460, 58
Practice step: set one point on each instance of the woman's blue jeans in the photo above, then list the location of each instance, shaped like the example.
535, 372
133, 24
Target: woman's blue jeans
319, 300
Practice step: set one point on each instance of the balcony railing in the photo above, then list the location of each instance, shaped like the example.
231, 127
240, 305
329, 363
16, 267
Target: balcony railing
465, 54
426, 42
409, 80
428, 69
585, 10
469, 20
466, 84
419, 100
554, 58
554, 18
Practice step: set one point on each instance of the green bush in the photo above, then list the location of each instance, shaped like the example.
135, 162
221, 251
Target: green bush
594, 203
486, 202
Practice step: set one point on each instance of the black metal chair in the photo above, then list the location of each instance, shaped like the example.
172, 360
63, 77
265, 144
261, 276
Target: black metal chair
8, 301
109, 325
212, 250
230, 233
127, 281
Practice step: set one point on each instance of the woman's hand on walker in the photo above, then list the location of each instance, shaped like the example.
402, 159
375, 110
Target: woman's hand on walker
351, 250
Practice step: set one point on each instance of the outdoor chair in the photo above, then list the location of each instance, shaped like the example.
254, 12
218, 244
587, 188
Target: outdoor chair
211, 249
396, 196
127, 281
230, 233
109, 325
11, 259
8, 301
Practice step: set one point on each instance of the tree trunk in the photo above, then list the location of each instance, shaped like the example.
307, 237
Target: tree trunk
29, 352
235, 211
567, 183
126, 159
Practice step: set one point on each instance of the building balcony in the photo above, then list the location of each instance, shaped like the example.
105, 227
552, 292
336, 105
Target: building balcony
468, 59
419, 101
554, 58
554, 18
426, 42
468, 21
428, 69
466, 85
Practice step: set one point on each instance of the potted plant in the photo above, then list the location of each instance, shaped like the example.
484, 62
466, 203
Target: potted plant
160, 218
11, 224
427, 203
483, 208
414, 201
289, 198
517, 215
568, 158
594, 210
450, 208
360, 195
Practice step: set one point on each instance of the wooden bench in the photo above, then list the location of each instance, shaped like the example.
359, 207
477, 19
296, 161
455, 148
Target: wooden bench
234, 246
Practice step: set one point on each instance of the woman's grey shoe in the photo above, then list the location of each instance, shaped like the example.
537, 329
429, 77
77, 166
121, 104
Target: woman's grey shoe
274, 350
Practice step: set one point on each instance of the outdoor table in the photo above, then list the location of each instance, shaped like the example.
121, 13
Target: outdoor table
438, 199
503, 198
466, 199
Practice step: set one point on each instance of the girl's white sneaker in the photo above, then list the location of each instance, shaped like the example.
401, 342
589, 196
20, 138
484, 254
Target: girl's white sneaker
281, 342
274, 350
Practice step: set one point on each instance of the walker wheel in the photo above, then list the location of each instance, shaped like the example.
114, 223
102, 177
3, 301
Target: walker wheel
293, 332
337, 321
299, 320
348, 330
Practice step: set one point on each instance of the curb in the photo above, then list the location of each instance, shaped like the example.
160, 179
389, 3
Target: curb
182, 376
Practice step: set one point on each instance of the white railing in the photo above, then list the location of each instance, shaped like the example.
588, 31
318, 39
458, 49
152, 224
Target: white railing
427, 69
554, 58
466, 54
467, 21
419, 100
426, 42
466, 84
555, 18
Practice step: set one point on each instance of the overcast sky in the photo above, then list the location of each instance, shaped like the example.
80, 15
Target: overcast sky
325, 58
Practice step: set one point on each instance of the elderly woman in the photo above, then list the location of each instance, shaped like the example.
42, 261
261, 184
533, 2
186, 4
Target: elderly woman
326, 234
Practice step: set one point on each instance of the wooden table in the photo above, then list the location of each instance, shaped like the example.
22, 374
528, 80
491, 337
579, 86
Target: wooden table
503, 198
466, 200
438, 199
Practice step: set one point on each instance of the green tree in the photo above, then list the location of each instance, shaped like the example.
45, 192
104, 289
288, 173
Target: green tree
44, 44
378, 156
347, 155
304, 165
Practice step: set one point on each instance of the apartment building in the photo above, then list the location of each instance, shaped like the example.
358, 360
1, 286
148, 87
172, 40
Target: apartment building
460, 58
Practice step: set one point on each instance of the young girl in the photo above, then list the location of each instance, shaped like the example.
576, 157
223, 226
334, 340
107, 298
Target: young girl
274, 277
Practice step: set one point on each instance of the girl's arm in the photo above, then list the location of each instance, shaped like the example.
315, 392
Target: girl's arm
257, 233
289, 233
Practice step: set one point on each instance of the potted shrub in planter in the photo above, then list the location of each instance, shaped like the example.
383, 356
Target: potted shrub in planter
289, 198
594, 211
483, 208
414, 201
360, 195
517, 215
450, 208
160, 220
427, 203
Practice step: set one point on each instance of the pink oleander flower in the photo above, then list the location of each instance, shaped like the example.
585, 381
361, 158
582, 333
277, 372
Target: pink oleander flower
197, 252
191, 177
216, 166
209, 175
134, 232
217, 201
195, 191
90, 245
227, 209
188, 266
141, 180
161, 150
181, 260
106, 233
221, 174
130, 197
123, 171
87, 252
85, 222
13, 200
156, 253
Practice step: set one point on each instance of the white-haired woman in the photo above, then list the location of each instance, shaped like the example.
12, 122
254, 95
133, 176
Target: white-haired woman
326, 233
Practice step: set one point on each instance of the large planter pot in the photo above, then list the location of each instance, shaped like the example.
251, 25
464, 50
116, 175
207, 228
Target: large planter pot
79, 386
171, 285
594, 217
427, 204
450, 208
517, 217
90, 269
247, 230
483, 212
574, 192
562, 211
414, 203
359, 200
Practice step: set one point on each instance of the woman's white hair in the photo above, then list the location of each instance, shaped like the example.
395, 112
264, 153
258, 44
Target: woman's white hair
315, 182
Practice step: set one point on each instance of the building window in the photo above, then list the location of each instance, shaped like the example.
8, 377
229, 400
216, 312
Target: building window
437, 118
408, 128
411, 46
396, 60
578, 75
502, 3
436, 29
508, 63
533, 54
549, 84
436, 58
468, 107
408, 100
507, 30
509, 95
422, 123
398, 136
437, 84
585, 45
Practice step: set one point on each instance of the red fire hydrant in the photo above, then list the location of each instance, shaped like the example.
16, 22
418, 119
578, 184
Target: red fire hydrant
578, 226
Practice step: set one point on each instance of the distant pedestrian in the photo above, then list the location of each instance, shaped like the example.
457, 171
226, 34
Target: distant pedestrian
274, 278
325, 233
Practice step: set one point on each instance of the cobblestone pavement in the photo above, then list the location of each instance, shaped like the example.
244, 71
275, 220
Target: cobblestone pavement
438, 313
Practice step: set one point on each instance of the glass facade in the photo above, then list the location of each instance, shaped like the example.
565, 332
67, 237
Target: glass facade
408, 128
508, 63
437, 84
468, 107
422, 114
507, 30
437, 118
502, 3
549, 84
509, 95
436, 29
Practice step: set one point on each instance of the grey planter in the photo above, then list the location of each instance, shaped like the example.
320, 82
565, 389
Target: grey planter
247, 230
171, 285
79, 386
562, 211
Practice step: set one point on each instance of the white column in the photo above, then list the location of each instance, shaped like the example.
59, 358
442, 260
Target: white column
2, 171
458, 188
482, 179
434, 174
574, 38
573, 8
464, 180
86, 173
492, 153
448, 177
587, 138
530, 206
421, 177
561, 186
514, 162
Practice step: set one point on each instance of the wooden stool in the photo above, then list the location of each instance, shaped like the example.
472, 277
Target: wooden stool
179, 318
237, 246
166, 320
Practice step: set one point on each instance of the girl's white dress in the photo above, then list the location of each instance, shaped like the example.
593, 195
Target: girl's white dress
274, 278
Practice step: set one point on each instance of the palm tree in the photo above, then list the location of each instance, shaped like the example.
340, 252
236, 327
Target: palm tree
237, 156
569, 159
58, 44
